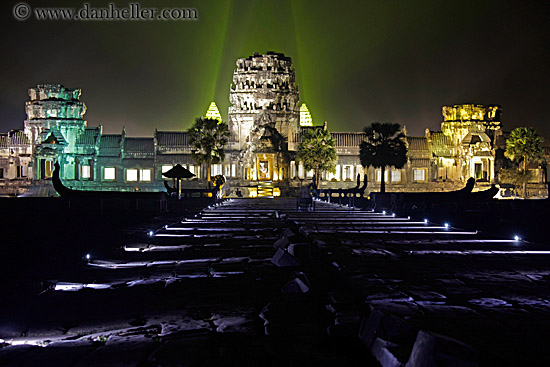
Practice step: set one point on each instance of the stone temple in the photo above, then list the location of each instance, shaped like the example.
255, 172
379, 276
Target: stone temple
266, 119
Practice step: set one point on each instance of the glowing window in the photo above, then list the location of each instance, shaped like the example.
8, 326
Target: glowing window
419, 174
300, 170
131, 175
347, 172
337, 174
216, 169
395, 176
109, 173
145, 174
233, 170
166, 168
86, 172
379, 175
48, 168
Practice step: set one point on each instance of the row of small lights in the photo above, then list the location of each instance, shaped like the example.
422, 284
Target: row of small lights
426, 221
446, 225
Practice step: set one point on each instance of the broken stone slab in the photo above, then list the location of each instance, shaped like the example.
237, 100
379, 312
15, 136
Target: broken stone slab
287, 232
232, 324
387, 327
283, 259
432, 349
282, 242
384, 352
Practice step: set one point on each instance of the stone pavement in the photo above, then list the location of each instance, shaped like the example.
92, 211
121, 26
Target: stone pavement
209, 290
256, 282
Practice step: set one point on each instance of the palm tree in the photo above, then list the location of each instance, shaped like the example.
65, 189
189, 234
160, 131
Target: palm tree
383, 146
208, 137
317, 152
522, 146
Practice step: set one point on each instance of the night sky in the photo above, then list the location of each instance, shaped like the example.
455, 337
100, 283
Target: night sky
381, 60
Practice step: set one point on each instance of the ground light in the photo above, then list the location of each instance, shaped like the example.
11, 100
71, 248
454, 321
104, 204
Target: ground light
88, 257
517, 238
383, 212
446, 225
425, 221
151, 233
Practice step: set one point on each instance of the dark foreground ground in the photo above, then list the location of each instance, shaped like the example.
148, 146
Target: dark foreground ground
254, 282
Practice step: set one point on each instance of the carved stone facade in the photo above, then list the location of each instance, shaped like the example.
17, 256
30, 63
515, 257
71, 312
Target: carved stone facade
265, 125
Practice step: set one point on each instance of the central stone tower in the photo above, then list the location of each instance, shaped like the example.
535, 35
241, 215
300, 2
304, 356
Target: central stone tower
263, 94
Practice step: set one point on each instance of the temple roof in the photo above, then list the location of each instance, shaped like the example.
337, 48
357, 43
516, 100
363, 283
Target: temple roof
172, 139
417, 143
89, 138
110, 145
141, 146
441, 144
345, 139
13, 138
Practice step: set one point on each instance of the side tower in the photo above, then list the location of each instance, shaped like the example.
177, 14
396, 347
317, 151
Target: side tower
54, 122
471, 129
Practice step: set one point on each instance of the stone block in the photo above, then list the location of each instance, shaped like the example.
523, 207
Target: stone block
431, 349
284, 259
383, 351
282, 242
287, 232
387, 327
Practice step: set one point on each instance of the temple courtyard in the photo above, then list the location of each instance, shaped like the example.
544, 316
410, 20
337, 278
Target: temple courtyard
261, 282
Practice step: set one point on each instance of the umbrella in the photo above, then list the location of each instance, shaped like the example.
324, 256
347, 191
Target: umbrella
178, 172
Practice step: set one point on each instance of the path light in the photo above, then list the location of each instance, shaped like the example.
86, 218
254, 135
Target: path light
446, 225
88, 257
393, 215
517, 238
151, 233
425, 221
383, 212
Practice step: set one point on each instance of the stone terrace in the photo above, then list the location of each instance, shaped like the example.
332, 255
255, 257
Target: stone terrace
256, 282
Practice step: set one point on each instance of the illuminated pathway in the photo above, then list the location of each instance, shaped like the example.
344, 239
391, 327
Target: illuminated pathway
256, 282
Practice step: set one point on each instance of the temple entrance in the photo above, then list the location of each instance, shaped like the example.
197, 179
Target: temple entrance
481, 170
46, 168
265, 167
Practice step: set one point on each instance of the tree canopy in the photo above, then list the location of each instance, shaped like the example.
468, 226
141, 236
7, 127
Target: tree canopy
208, 138
317, 151
523, 146
383, 146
